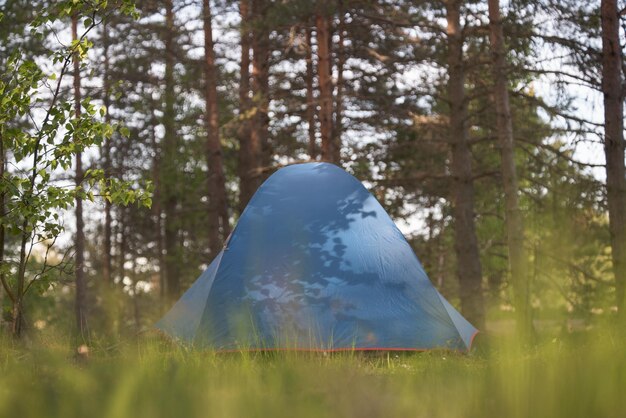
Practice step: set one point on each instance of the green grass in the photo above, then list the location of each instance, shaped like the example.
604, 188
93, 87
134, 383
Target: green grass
582, 377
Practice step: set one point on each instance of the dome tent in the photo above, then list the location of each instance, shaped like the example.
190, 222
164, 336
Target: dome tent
315, 263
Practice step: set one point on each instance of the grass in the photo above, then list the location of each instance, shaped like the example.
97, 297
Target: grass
574, 377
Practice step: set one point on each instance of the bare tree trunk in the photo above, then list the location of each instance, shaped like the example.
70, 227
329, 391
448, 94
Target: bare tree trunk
157, 209
259, 136
337, 129
247, 155
106, 264
106, 291
4, 286
136, 310
613, 92
81, 284
218, 202
169, 163
122, 243
441, 262
311, 105
324, 65
518, 259
466, 244
135, 298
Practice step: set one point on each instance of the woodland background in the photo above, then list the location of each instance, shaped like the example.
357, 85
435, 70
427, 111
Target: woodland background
492, 132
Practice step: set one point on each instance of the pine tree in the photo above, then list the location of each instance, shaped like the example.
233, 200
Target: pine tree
324, 72
469, 267
518, 259
79, 244
106, 151
218, 203
169, 162
613, 92
247, 150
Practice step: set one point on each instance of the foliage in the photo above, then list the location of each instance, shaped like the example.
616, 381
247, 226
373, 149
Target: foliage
394, 132
140, 122
41, 136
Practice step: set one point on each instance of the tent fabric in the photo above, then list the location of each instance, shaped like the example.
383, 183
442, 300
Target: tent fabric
315, 263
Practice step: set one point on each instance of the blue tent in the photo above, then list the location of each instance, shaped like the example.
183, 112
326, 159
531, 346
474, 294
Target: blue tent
315, 263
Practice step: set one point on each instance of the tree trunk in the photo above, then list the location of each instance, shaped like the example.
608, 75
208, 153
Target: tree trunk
612, 90
311, 105
106, 290
157, 209
106, 262
246, 155
81, 284
466, 244
17, 313
4, 286
337, 129
169, 162
259, 136
218, 202
135, 298
324, 65
122, 243
518, 259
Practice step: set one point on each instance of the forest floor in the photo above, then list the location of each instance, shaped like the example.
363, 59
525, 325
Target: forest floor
575, 375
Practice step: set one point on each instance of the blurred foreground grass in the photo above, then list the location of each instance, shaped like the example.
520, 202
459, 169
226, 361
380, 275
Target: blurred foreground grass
575, 377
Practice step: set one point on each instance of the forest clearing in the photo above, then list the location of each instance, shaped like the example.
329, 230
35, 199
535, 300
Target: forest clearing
579, 376
352, 208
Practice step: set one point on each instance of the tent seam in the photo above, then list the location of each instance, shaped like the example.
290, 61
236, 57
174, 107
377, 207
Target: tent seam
211, 288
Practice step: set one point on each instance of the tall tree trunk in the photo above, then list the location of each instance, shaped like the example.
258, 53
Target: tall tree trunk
518, 259
106, 290
324, 65
169, 167
4, 286
311, 105
81, 284
466, 244
613, 92
259, 136
106, 262
122, 246
337, 129
218, 202
246, 155
122, 243
157, 208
